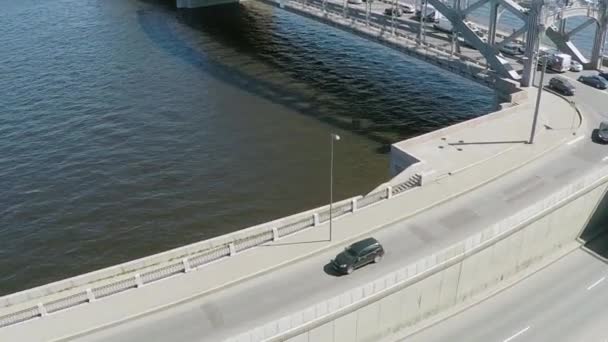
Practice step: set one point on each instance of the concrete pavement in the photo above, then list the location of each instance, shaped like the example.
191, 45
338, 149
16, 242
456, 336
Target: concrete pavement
567, 301
455, 148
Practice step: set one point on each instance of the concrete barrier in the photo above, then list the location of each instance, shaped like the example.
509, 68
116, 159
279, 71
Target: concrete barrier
450, 277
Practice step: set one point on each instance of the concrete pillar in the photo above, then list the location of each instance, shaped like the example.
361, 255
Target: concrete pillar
600, 37
535, 28
493, 22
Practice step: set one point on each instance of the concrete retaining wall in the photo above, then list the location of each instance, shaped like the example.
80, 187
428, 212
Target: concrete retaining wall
450, 277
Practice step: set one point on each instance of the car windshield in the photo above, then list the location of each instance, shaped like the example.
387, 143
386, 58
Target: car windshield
604, 126
351, 252
602, 80
565, 83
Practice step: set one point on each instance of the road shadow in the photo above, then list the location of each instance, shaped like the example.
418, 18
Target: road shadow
595, 234
462, 143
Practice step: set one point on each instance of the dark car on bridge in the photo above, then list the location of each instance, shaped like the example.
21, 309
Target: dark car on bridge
594, 81
561, 85
602, 132
396, 11
357, 255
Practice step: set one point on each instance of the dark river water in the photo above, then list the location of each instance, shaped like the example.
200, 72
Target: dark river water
128, 128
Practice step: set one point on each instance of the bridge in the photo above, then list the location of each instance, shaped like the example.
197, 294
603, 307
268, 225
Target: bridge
469, 209
482, 59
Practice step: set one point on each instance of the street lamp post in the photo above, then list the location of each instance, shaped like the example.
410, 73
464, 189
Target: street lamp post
540, 91
332, 137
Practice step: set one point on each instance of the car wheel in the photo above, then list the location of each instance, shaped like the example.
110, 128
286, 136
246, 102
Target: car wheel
378, 258
349, 270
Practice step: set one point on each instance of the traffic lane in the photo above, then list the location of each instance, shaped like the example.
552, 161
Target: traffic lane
559, 303
278, 293
593, 101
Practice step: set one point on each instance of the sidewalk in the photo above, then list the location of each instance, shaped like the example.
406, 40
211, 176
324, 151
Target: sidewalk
255, 261
453, 149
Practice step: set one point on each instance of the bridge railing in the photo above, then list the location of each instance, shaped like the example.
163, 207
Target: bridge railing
43, 300
320, 313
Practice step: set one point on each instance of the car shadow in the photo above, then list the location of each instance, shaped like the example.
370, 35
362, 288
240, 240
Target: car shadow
329, 270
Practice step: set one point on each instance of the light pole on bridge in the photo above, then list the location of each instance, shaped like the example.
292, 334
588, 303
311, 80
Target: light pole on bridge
332, 137
540, 91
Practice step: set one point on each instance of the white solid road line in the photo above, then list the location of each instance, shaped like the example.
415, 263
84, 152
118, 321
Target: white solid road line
517, 334
605, 158
573, 141
596, 283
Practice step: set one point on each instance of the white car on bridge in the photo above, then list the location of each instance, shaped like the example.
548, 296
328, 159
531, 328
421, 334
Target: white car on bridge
576, 66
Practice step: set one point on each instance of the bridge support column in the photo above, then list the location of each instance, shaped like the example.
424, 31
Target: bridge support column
535, 28
597, 51
562, 26
493, 22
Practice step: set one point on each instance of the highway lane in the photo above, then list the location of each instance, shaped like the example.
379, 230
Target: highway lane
567, 301
257, 301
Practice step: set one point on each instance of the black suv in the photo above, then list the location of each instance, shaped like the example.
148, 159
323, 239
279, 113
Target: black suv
358, 254
594, 81
562, 85
393, 11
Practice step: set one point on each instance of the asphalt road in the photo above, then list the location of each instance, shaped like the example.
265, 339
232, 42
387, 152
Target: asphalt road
567, 301
257, 301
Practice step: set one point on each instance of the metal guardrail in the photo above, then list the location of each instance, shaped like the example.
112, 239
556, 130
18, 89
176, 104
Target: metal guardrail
189, 262
399, 279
